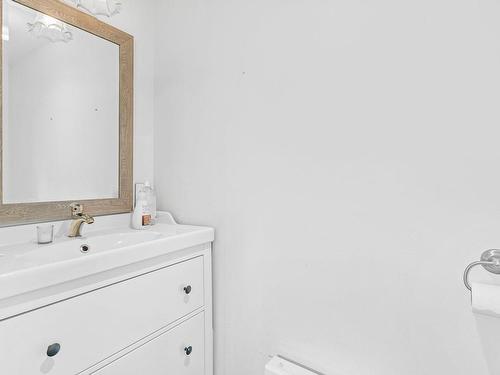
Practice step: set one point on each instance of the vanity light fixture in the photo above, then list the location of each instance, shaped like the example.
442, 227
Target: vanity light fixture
49, 28
106, 8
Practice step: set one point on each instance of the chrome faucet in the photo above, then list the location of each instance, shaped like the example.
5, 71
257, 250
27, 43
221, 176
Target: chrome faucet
79, 218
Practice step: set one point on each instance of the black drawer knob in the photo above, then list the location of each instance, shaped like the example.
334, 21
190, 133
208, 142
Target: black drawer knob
188, 350
187, 289
53, 349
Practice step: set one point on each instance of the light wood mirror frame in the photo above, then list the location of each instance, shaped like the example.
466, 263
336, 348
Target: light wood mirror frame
19, 213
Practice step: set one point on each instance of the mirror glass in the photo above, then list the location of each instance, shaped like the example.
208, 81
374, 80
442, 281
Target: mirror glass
60, 110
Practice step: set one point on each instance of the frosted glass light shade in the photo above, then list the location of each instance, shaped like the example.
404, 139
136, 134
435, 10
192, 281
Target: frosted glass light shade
100, 7
49, 28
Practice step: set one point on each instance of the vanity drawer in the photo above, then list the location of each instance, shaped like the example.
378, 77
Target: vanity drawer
93, 326
179, 351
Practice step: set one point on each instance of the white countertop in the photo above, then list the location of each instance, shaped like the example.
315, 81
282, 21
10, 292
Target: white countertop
26, 267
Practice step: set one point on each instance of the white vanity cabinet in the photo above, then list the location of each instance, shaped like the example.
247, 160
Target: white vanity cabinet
154, 320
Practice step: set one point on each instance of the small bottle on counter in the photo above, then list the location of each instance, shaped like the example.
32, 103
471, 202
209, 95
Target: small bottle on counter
141, 217
151, 201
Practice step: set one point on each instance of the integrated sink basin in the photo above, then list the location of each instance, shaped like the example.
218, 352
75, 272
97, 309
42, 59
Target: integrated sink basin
26, 266
71, 249
115, 241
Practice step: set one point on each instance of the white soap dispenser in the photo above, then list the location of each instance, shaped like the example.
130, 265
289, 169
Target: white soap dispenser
141, 217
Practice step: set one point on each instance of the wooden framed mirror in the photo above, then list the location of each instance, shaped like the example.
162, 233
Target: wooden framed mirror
66, 113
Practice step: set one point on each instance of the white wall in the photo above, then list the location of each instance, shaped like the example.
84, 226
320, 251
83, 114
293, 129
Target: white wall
347, 154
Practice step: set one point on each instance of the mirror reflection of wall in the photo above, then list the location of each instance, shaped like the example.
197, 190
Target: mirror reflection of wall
61, 99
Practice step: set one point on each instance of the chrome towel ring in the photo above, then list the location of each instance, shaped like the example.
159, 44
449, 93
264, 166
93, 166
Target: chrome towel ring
490, 260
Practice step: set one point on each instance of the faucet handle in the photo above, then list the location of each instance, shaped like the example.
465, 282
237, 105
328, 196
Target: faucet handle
76, 209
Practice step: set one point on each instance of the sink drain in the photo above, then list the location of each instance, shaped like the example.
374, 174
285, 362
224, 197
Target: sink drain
85, 248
